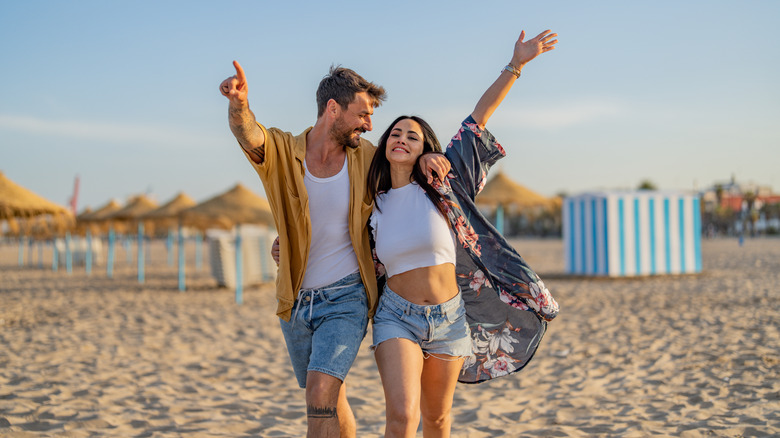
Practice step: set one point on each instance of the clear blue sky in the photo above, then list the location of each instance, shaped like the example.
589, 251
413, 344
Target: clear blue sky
125, 94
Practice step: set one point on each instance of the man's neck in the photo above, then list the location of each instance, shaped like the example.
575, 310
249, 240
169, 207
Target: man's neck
324, 156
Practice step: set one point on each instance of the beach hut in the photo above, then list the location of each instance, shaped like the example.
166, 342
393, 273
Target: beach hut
627, 233
231, 209
503, 194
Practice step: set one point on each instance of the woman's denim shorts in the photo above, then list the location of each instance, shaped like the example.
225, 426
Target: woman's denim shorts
438, 329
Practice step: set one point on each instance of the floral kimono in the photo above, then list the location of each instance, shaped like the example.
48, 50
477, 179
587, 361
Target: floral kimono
507, 305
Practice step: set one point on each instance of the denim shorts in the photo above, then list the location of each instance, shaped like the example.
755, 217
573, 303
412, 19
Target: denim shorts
438, 329
326, 328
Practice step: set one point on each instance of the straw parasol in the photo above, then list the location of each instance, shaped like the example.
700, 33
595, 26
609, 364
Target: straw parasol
168, 213
501, 190
16, 201
132, 212
97, 220
135, 208
101, 213
237, 206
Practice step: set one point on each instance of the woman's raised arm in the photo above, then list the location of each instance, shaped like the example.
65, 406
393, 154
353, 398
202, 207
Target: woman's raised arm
524, 52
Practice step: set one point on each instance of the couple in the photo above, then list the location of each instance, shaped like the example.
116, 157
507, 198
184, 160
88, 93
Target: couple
427, 335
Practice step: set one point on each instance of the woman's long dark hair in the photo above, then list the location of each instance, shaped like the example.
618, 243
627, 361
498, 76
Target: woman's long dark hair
379, 180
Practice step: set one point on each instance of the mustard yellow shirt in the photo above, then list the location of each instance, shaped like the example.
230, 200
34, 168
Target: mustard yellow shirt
282, 175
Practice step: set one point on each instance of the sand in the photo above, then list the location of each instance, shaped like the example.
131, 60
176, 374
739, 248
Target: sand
688, 356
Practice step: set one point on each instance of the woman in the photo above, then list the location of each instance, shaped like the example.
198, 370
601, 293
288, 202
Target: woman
425, 333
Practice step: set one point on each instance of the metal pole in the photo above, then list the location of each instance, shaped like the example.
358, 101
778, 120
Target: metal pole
182, 276
169, 246
239, 276
68, 254
140, 250
88, 255
110, 260
55, 262
198, 250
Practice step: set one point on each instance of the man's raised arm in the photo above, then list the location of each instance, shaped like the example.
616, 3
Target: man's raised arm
242, 121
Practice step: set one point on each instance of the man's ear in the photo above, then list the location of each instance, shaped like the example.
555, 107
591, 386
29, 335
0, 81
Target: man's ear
333, 108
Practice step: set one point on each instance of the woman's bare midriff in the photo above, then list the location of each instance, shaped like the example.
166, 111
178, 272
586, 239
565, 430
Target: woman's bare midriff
426, 286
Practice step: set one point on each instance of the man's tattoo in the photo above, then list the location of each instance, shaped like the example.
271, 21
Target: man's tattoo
320, 412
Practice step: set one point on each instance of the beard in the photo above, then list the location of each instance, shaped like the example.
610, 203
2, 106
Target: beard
343, 135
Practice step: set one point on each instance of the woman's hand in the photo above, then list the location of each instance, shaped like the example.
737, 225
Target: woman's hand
525, 51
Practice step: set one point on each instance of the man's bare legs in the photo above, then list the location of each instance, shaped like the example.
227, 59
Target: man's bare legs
327, 409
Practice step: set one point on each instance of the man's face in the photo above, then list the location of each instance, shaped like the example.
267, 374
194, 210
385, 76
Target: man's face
353, 121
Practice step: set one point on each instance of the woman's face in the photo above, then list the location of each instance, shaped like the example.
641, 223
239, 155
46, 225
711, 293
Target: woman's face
405, 143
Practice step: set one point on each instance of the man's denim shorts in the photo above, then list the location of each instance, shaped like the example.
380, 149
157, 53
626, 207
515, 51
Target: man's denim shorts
441, 329
326, 328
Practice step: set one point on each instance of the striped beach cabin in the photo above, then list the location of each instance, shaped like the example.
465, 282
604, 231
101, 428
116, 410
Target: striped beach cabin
627, 233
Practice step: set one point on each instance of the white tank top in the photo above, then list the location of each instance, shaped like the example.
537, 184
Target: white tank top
331, 256
410, 232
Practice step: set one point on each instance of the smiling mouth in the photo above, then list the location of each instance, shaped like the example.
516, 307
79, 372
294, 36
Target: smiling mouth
398, 148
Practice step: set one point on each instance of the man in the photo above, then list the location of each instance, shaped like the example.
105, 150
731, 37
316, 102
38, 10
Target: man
315, 183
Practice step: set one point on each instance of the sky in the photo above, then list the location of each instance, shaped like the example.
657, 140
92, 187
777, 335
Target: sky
125, 94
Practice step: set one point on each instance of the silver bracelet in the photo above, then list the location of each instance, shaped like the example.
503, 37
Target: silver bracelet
511, 69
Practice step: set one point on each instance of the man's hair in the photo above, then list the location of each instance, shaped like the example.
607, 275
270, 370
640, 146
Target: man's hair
341, 84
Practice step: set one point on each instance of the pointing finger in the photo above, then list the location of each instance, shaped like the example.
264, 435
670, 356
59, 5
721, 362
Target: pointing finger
239, 73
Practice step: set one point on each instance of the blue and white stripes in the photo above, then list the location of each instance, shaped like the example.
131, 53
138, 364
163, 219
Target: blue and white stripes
632, 233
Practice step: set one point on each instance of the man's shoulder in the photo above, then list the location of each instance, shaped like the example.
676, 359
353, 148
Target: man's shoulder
366, 148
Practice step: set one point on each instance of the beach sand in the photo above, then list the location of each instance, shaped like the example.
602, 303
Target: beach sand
688, 356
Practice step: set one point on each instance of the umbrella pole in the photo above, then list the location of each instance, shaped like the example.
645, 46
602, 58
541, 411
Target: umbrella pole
30, 251
500, 219
55, 262
140, 251
239, 276
68, 254
110, 261
169, 245
21, 251
182, 276
40, 254
198, 250
88, 255
128, 249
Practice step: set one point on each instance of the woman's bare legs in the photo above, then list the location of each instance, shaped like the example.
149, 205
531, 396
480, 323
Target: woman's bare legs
439, 377
400, 363
414, 384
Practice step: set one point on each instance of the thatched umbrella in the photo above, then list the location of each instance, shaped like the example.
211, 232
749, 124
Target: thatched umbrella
99, 218
16, 201
237, 206
501, 192
168, 213
167, 216
133, 211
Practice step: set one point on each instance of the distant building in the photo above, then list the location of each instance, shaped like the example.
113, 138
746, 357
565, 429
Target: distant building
737, 208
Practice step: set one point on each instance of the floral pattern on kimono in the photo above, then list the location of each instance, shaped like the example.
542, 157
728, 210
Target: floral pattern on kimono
507, 304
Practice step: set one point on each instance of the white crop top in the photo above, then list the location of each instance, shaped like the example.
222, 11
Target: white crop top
410, 232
